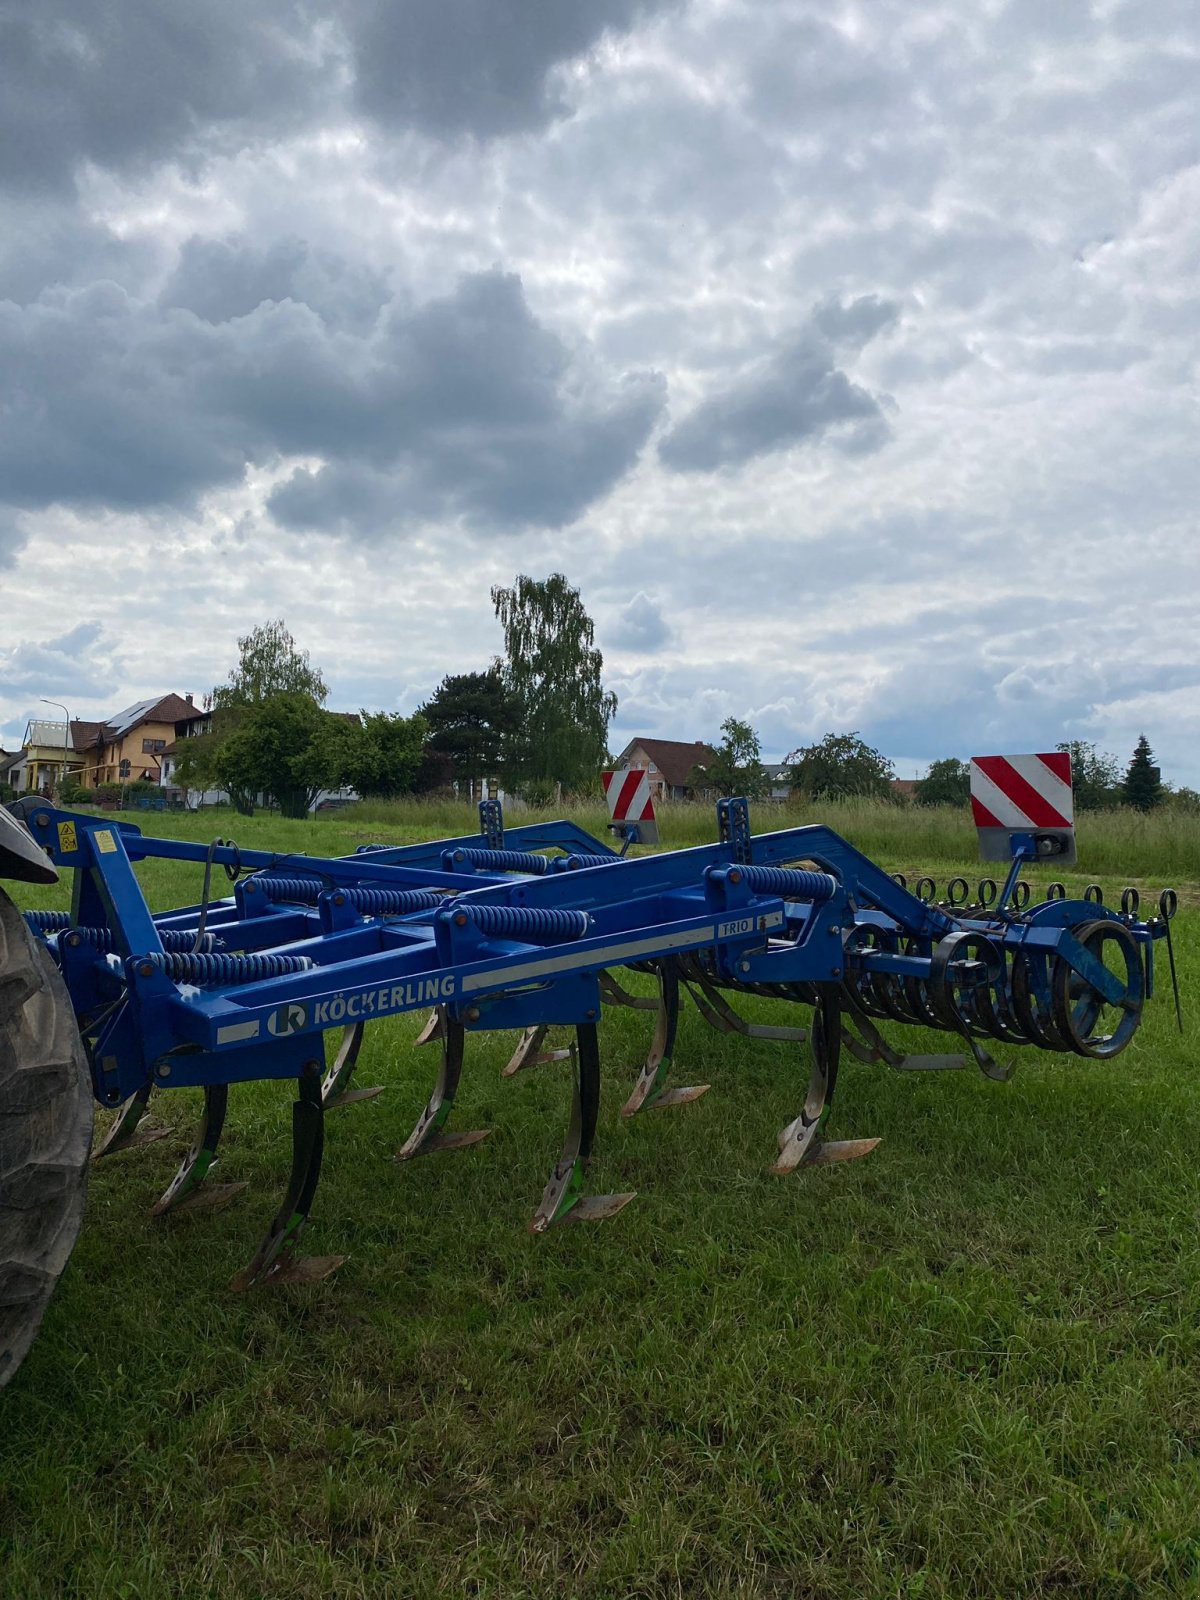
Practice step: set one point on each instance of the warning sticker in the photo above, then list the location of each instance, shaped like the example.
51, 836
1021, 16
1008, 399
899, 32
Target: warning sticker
105, 842
66, 836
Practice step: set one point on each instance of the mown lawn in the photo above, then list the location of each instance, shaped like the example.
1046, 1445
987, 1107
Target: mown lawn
965, 1366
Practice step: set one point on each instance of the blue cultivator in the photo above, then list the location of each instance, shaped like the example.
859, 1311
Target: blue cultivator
515, 931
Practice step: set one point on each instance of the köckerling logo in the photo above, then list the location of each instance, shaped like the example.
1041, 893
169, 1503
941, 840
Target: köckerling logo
288, 1019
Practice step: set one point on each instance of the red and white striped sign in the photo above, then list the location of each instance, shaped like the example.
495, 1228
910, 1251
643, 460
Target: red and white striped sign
1022, 792
628, 795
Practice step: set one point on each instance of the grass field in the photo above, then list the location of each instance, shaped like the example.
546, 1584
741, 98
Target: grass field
967, 1366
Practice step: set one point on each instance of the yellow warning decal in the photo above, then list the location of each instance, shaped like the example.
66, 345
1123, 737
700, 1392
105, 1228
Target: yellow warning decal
66, 836
105, 842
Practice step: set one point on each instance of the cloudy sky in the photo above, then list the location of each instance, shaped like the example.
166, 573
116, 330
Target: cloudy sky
843, 355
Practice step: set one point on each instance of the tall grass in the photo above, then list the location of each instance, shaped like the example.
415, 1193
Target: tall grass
965, 1368
1120, 842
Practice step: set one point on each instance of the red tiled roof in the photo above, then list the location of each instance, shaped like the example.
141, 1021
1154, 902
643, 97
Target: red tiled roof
85, 735
675, 758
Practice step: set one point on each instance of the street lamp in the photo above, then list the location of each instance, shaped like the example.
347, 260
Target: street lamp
66, 730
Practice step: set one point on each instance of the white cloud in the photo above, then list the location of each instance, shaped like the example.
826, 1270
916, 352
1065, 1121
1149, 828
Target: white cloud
234, 310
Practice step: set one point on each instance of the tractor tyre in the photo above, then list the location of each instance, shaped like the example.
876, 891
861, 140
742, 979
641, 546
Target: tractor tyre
45, 1133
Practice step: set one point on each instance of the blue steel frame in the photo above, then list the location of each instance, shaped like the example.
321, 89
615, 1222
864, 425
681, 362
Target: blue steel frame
502, 948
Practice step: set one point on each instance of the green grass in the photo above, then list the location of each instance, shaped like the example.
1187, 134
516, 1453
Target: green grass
968, 1365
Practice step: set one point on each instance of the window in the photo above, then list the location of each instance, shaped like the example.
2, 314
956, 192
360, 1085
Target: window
124, 769
151, 747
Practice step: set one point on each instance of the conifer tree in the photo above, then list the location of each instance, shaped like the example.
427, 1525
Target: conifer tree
1142, 787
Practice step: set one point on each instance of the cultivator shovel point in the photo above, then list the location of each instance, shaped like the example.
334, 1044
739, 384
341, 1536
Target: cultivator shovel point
523, 931
563, 1199
130, 1127
428, 1136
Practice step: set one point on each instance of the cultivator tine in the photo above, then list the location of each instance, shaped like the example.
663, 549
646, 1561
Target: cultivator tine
529, 1052
650, 1092
275, 1260
563, 1199
435, 1026
335, 1086
124, 1131
719, 1014
616, 995
184, 1193
864, 1040
802, 1142
427, 1137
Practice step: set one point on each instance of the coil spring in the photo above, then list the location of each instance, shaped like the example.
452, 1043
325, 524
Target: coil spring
102, 939
173, 939
187, 968
499, 861
583, 858
795, 883
48, 921
392, 902
305, 890
535, 924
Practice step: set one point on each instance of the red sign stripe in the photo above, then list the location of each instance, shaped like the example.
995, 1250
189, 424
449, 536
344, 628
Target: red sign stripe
1040, 812
629, 788
983, 817
1059, 762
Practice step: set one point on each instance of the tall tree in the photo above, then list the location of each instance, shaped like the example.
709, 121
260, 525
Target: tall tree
269, 663
1142, 787
1095, 776
947, 783
287, 748
737, 767
553, 671
471, 717
383, 754
840, 765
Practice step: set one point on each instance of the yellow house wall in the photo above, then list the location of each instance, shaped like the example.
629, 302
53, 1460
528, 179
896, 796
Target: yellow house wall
104, 766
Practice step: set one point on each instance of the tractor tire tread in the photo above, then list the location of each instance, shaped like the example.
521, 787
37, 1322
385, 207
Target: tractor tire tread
45, 1133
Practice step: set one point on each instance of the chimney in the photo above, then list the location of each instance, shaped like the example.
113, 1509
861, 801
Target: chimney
188, 698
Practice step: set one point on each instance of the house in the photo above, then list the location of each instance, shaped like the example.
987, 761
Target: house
778, 780
12, 771
126, 748
47, 756
905, 788
669, 764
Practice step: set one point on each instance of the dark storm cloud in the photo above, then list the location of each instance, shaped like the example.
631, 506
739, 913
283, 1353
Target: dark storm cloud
795, 395
220, 279
474, 66
131, 81
465, 405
